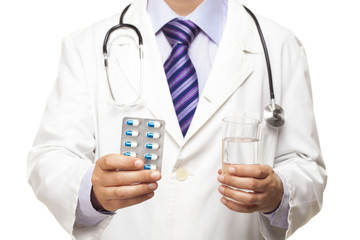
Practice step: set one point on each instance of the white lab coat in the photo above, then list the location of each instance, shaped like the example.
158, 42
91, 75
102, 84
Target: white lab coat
79, 126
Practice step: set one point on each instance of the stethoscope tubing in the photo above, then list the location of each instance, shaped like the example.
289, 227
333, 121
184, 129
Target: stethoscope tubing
273, 113
266, 53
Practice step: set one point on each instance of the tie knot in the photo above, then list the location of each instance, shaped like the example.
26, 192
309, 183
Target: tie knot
180, 31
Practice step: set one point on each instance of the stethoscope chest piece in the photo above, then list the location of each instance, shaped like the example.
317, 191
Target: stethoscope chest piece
274, 115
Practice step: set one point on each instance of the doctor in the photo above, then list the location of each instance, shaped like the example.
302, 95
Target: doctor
73, 164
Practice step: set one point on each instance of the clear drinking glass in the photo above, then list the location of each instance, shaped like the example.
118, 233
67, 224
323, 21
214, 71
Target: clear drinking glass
240, 141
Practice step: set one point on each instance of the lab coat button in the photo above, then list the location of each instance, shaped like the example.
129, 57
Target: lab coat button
181, 174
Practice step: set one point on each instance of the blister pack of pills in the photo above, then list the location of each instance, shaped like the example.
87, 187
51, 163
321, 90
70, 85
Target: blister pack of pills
143, 138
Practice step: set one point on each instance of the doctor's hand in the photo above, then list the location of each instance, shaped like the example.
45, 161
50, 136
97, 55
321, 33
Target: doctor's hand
265, 184
119, 181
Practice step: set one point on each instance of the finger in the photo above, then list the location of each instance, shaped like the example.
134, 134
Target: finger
117, 161
242, 197
126, 192
220, 171
248, 170
238, 207
113, 205
253, 184
119, 178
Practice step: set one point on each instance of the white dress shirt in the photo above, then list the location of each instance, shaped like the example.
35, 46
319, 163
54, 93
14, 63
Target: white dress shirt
203, 48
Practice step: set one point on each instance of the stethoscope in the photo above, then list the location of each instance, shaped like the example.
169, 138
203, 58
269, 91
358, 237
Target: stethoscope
273, 113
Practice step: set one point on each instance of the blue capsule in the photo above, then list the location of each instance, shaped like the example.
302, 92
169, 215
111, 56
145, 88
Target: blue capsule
130, 154
151, 156
152, 146
132, 133
150, 167
131, 144
153, 135
154, 124
132, 122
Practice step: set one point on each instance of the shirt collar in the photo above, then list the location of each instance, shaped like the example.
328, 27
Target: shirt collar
160, 14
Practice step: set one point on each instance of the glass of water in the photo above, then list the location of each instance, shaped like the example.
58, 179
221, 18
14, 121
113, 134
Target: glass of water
240, 141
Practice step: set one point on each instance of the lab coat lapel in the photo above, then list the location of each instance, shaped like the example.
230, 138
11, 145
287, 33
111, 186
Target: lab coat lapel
155, 93
231, 66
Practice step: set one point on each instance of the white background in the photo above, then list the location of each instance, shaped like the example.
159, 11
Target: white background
30, 37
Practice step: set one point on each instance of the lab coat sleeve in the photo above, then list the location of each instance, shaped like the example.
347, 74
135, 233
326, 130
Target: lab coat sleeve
86, 215
298, 155
279, 218
63, 150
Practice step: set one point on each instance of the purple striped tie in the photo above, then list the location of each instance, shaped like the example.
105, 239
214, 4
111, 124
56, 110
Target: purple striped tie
180, 71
